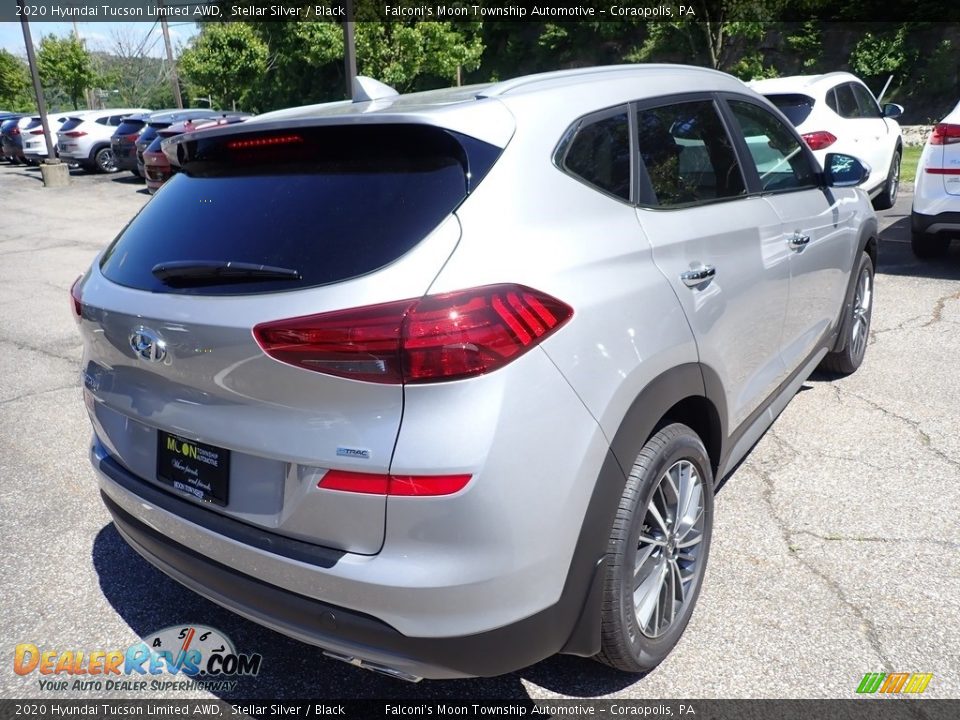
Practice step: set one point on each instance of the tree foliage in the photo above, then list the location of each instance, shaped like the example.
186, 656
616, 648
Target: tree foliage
64, 65
225, 62
15, 91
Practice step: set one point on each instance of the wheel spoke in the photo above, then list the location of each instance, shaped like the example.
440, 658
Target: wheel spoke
655, 513
682, 591
690, 541
646, 598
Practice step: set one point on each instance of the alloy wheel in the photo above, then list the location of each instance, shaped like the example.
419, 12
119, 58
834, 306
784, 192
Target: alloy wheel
862, 303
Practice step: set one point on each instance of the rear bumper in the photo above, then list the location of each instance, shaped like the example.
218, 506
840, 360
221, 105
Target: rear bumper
355, 634
571, 625
125, 157
945, 222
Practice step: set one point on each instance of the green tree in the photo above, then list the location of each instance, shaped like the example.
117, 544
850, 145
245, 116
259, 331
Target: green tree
225, 61
877, 55
15, 91
411, 56
64, 64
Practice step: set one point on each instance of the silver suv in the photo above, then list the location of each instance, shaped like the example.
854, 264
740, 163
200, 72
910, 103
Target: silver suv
441, 383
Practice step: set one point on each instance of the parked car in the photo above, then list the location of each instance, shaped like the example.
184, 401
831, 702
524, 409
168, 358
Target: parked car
34, 144
85, 139
11, 142
442, 383
935, 215
837, 113
157, 168
123, 142
164, 119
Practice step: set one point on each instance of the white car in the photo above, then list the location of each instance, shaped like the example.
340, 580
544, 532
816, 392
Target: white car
85, 138
837, 113
34, 146
935, 216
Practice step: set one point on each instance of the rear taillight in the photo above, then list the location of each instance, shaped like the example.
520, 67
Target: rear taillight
436, 338
819, 140
263, 142
14, 130
75, 133
132, 137
402, 485
945, 134
39, 131
75, 298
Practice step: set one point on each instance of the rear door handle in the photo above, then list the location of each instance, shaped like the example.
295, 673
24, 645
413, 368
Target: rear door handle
692, 278
798, 241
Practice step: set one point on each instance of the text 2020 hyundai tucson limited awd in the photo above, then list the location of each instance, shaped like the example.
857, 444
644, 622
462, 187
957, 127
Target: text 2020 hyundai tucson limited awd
441, 383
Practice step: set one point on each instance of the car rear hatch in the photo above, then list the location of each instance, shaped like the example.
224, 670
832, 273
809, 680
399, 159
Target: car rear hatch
312, 221
69, 132
944, 159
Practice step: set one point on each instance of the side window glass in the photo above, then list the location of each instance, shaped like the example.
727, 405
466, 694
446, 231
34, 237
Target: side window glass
847, 102
868, 106
776, 152
102, 121
832, 101
687, 154
600, 154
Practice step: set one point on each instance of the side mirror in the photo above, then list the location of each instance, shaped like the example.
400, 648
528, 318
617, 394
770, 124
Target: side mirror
844, 170
892, 110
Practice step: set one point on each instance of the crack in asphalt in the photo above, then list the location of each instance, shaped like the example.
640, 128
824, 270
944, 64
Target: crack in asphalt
937, 314
870, 539
925, 438
896, 328
36, 393
42, 351
867, 627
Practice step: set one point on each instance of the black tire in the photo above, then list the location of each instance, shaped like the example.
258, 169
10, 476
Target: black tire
628, 642
891, 186
857, 325
103, 160
927, 247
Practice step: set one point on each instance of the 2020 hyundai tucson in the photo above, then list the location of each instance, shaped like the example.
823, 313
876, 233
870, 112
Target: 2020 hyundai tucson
442, 383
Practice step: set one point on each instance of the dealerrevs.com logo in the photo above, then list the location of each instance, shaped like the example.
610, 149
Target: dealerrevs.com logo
198, 657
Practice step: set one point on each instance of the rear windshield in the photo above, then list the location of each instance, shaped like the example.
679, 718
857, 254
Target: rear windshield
128, 127
34, 122
332, 204
70, 124
149, 132
796, 107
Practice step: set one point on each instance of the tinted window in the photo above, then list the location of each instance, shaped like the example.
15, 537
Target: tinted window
846, 102
777, 154
147, 135
337, 203
70, 124
687, 154
102, 121
868, 106
797, 108
832, 101
600, 154
128, 127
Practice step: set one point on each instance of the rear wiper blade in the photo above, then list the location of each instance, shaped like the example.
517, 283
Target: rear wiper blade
212, 271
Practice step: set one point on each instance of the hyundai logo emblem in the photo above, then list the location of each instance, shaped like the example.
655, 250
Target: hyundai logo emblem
147, 345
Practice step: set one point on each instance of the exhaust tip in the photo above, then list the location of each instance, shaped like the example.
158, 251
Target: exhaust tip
373, 667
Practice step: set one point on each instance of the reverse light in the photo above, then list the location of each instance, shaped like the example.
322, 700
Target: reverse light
819, 140
431, 339
396, 485
77, 304
945, 134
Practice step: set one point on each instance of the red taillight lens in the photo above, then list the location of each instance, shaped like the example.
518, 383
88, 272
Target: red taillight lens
403, 485
132, 137
75, 298
945, 134
14, 130
271, 141
439, 337
75, 133
38, 131
819, 140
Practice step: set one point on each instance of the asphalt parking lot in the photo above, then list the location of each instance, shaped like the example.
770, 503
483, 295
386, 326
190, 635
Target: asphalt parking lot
835, 546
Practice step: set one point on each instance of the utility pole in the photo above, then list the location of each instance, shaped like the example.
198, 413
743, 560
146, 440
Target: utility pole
55, 174
349, 49
87, 92
174, 77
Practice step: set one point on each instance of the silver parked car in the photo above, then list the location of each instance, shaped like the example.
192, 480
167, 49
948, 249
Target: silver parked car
442, 383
